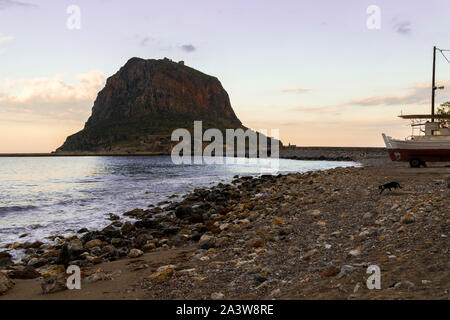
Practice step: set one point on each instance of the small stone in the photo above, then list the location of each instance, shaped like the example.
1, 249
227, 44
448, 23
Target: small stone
407, 218
367, 216
224, 226
162, 275
257, 280
93, 243
27, 273
206, 245
401, 229
278, 220
310, 253
5, 284
344, 270
149, 247
52, 270
316, 213
330, 272
217, 296
275, 293
258, 243
113, 217
135, 253
127, 227
54, 284
408, 284
5, 259
95, 277
354, 253
183, 211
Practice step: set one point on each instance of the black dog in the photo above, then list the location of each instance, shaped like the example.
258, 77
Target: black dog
390, 185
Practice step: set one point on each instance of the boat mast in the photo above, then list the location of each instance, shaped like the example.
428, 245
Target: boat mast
433, 85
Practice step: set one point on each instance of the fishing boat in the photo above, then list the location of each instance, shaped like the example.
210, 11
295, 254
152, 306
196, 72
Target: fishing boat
430, 139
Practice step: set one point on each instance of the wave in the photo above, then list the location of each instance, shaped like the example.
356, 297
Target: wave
4, 210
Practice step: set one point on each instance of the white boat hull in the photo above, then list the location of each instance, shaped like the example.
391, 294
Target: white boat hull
421, 150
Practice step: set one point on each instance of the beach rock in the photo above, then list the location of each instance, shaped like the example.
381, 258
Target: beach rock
163, 274
113, 217
330, 272
258, 279
64, 255
357, 287
37, 262
27, 273
183, 211
127, 228
275, 293
135, 213
54, 284
217, 296
52, 270
93, 243
310, 253
5, 259
5, 284
75, 248
206, 241
95, 277
34, 245
149, 247
111, 232
354, 253
195, 218
83, 230
109, 250
316, 213
258, 243
135, 253
368, 215
404, 285
407, 218
117, 242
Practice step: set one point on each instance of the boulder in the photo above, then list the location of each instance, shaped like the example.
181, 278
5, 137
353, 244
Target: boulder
5, 284
54, 284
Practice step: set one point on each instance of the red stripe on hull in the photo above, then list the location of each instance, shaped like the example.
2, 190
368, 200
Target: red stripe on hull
431, 155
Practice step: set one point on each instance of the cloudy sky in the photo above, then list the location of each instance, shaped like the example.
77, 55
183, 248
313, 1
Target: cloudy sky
312, 69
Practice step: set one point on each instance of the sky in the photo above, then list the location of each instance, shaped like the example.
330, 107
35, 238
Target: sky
324, 73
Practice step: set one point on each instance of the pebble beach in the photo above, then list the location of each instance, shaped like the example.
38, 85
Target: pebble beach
296, 236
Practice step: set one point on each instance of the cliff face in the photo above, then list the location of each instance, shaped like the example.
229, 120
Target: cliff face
145, 101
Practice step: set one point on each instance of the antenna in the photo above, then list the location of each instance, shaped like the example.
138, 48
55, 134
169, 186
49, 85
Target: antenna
433, 85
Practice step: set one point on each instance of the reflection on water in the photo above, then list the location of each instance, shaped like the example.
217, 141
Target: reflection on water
40, 196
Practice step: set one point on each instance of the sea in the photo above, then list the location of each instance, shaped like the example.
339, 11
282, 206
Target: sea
44, 196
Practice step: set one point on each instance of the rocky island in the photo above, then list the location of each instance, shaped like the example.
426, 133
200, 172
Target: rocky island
145, 101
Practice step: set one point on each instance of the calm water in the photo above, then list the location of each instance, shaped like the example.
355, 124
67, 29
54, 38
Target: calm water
46, 195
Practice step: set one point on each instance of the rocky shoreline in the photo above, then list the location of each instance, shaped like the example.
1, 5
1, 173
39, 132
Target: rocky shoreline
305, 236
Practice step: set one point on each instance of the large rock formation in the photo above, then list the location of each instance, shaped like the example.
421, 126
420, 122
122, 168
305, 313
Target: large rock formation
145, 101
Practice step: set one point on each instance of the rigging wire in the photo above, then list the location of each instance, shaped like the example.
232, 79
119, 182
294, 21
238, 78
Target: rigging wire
445, 57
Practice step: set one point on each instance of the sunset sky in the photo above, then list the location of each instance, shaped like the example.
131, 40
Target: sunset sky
312, 69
